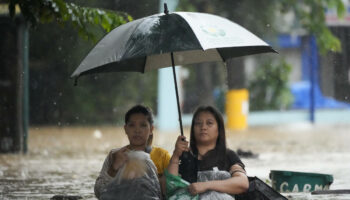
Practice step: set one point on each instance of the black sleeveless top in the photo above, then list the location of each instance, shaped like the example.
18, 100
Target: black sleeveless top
190, 165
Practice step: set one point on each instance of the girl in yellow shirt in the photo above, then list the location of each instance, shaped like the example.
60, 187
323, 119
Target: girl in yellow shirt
139, 129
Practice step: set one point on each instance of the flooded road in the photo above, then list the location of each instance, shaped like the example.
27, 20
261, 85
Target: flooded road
66, 160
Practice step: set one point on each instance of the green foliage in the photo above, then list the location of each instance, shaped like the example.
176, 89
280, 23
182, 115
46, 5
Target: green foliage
99, 98
311, 15
46, 11
269, 90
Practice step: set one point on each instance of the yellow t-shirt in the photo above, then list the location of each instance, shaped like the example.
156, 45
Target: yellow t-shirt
160, 158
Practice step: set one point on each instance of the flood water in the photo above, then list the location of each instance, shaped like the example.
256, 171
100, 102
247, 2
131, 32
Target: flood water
66, 160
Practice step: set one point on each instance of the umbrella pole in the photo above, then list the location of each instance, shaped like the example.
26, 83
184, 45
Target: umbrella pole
177, 93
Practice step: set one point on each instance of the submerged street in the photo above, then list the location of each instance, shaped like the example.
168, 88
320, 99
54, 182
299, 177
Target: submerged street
66, 160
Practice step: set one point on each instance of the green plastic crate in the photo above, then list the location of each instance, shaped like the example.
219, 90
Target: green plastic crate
289, 181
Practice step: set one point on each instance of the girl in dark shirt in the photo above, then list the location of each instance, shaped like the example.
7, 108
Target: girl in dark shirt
208, 150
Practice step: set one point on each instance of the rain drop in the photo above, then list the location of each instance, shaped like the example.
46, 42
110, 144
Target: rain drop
60, 94
45, 152
23, 174
59, 123
54, 103
77, 117
97, 134
268, 25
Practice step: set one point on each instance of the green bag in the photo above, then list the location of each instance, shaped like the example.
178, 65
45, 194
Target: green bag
176, 188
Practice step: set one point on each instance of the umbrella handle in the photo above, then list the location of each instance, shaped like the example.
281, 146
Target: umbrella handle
177, 93
166, 11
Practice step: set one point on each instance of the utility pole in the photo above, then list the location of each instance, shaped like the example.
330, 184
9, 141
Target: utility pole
237, 98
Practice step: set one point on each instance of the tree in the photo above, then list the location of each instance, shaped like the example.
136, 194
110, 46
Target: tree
269, 89
54, 99
45, 11
55, 50
311, 16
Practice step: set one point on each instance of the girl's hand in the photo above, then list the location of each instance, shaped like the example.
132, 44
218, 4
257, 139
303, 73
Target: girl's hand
198, 188
118, 158
181, 145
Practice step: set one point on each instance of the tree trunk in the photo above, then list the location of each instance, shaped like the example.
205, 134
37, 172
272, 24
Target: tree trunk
235, 73
11, 88
204, 84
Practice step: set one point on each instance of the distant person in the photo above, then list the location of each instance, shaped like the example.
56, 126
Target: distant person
206, 155
122, 163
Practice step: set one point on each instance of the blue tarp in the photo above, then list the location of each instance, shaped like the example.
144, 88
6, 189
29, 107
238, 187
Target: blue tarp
301, 93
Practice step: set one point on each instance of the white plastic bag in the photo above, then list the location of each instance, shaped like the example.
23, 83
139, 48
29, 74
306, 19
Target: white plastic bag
136, 179
204, 176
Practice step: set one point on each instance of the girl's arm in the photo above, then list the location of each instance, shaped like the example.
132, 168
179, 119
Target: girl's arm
103, 178
237, 184
109, 170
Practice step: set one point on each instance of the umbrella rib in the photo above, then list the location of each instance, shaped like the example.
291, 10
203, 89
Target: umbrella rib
222, 58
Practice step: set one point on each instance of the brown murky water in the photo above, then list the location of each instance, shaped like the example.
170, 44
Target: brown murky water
67, 160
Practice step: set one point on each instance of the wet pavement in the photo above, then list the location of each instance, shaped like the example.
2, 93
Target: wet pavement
66, 160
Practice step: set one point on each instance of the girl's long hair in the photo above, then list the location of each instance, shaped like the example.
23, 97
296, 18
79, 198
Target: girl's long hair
217, 156
143, 110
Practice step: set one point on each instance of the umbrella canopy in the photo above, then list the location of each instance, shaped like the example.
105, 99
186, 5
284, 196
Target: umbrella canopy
170, 39
147, 43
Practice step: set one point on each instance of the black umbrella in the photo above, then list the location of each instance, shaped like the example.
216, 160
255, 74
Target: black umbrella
169, 39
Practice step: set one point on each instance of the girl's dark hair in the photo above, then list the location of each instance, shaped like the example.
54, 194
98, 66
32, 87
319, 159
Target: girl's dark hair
139, 109
143, 110
217, 156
